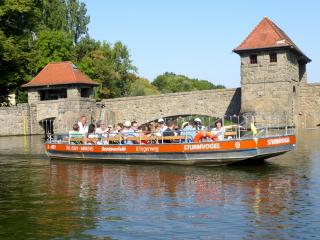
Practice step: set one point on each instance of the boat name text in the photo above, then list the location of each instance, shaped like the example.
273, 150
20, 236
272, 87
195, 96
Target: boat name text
276, 141
207, 146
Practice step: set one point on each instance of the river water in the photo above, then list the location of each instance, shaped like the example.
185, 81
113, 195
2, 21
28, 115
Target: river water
43, 199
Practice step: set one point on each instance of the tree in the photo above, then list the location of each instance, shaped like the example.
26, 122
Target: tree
109, 65
18, 20
142, 87
171, 82
50, 46
77, 19
66, 15
54, 15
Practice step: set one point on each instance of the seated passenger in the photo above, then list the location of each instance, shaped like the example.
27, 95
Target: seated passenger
127, 132
144, 133
162, 126
100, 128
169, 132
91, 134
218, 130
75, 134
197, 124
188, 131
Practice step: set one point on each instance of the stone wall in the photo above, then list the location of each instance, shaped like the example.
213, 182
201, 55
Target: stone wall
64, 113
309, 102
215, 103
15, 120
271, 89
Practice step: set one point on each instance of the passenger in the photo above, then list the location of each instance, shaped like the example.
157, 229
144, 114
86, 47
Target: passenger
197, 124
218, 130
162, 125
83, 127
145, 131
169, 132
100, 128
128, 132
135, 126
188, 131
119, 128
91, 137
75, 134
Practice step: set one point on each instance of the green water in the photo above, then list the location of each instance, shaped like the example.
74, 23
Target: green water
42, 199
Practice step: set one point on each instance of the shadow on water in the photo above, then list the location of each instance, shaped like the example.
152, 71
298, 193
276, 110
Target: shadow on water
41, 199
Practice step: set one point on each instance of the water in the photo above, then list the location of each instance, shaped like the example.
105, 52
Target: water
42, 199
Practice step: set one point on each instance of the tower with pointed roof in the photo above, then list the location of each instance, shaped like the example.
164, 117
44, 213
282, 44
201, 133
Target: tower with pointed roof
273, 69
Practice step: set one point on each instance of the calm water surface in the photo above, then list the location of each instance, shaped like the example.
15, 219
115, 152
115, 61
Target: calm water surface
42, 199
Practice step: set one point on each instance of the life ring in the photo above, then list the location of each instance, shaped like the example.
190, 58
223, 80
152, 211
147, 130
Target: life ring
200, 135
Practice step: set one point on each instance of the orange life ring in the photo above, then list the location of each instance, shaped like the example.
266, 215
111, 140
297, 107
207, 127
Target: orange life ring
200, 135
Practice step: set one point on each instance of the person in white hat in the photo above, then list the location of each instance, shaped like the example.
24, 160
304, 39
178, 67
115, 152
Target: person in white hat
162, 125
197, 124
128, 131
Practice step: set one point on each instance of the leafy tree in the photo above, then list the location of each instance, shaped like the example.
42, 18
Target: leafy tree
18, 19
171, 82
109, 65
77, 19
54, 15
142, 87
50, 46
66, 15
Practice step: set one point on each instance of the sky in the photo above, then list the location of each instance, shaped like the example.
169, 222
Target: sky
196, 37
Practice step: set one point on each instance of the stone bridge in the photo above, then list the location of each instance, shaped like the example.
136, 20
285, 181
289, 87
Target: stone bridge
215, 103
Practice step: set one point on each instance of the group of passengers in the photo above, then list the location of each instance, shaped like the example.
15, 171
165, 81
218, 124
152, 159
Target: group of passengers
129, 130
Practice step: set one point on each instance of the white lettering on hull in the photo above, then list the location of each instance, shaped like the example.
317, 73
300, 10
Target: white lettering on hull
147, 149
277, 141
113, 149
208, 146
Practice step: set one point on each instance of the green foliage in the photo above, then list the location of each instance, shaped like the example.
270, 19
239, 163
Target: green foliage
109, 65
50, 46
142, 87
18, 18
36, 32
171, 83
68, 15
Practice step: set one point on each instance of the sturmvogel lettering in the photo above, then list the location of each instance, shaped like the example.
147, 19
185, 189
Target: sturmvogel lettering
208, 146
278, 141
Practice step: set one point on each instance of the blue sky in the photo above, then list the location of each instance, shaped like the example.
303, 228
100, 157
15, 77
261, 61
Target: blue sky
196, 37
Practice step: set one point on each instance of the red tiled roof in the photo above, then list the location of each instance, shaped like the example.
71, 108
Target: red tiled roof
60, 73
268, 35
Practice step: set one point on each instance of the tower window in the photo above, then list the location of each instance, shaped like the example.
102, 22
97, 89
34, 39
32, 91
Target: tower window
273, 57
253, 59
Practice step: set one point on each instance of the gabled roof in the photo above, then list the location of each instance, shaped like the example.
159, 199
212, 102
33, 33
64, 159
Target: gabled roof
268, 35
60, 73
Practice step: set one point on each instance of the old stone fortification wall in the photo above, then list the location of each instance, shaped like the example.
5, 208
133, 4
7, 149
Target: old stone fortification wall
216, 103
36, 117
309, 102
14, 120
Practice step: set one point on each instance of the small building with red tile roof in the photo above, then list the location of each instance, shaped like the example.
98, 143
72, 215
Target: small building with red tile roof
59, 80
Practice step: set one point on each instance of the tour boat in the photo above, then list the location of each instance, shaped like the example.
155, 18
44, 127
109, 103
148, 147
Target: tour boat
208, 152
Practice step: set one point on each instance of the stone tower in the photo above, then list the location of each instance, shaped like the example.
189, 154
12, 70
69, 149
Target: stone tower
273, 69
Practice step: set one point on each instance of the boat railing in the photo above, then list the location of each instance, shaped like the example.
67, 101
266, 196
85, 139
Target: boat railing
231, 132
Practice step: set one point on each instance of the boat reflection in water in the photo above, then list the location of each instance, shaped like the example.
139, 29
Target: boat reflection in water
157, 192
